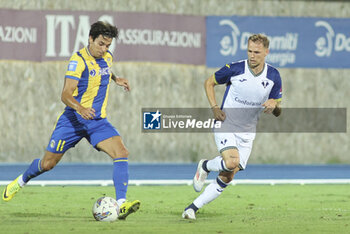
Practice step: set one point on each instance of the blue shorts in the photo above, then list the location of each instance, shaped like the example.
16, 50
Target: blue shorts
71, 128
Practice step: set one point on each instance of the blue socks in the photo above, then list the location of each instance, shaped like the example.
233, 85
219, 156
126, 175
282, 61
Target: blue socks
120, 177
33, 171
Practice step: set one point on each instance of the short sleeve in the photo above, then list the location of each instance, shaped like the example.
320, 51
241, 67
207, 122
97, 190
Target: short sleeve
223, 75
276, 91
76, 67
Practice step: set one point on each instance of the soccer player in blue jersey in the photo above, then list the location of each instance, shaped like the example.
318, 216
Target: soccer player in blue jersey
85, 94
253, 86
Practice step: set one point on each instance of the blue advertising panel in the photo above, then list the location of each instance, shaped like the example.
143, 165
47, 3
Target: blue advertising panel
303, 42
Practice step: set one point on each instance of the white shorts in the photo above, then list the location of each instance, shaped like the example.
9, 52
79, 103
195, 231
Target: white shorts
225, 140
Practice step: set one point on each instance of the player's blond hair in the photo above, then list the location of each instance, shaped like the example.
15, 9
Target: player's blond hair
260, 38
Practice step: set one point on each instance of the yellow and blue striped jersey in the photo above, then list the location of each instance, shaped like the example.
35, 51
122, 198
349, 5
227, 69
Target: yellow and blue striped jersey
94, 76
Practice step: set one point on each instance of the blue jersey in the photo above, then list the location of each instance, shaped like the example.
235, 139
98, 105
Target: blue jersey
94, 76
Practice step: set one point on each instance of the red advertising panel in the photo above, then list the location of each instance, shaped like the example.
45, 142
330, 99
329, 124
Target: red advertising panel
55, 35
20, 35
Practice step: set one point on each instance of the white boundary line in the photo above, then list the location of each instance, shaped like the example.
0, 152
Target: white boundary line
181, 182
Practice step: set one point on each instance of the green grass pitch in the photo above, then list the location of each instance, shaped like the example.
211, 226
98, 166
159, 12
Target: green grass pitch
240, 209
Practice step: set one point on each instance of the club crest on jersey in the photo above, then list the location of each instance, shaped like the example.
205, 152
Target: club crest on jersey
265, 83
52, 143
224, 142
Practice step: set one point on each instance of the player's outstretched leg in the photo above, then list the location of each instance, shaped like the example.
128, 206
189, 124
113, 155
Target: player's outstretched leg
211, 192
203, 169
32, 171
128, 208
11, 189
200, 176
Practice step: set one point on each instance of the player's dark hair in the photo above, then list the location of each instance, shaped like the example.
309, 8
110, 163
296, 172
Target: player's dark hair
103, 28
260, 38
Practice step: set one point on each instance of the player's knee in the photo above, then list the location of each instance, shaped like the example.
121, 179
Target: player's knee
232, 162
123, 153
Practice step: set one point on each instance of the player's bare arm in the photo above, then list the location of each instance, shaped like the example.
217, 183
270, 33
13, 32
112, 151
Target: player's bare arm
121, 82
67, 98
272, 106
209, 85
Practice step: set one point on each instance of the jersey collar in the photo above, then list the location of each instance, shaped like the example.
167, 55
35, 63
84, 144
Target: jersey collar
88, 51
256, 75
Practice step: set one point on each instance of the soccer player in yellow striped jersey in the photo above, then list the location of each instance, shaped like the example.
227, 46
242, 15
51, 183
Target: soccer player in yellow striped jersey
93, 76
85, 94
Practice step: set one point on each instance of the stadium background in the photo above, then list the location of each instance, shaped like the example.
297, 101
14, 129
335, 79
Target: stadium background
30, 93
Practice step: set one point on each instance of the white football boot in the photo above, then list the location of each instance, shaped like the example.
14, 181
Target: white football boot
189, 214
200, 177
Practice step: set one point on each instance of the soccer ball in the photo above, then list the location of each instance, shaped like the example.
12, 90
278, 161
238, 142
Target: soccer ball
105, 209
